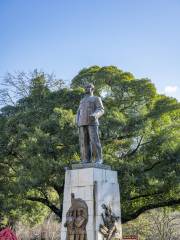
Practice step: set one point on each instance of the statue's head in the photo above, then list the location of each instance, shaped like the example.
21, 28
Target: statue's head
89, 88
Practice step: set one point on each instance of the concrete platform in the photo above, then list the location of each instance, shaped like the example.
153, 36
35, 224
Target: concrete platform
97, 185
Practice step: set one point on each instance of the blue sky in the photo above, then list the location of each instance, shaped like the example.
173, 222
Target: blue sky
63, 36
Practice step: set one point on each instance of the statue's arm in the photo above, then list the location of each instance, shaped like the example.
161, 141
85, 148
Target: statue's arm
103, 218
99, 108
80, 223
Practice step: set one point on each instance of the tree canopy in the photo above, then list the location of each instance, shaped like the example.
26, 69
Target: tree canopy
38, 140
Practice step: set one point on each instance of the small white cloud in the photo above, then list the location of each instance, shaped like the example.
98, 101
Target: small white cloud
171, 89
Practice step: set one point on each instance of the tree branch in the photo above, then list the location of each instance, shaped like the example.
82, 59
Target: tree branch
109, 140
147, 195
171, 202
136, 149
152, 166
47, 203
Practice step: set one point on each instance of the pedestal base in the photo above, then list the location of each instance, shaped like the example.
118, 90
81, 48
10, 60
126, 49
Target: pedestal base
90, 165
96, 186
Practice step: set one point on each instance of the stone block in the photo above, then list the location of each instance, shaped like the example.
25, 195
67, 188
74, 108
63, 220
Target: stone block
66, 206
98, 222
74, 178
67, 193
99, 236
85, 176
116, 193
68, 177
78, 191
90, 207
116, 208
88, 193
111, 176
63, 235
80, 181
105, 191
98, 175
90, 165
90, 225
90, 235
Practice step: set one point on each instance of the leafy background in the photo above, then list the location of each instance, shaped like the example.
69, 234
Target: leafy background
38, 140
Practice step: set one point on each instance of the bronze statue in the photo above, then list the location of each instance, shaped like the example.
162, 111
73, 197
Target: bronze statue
80, 225
89, 111
108, 229
70, 225
76, 219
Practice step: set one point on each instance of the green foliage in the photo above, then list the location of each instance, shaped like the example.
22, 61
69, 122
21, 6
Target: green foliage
139, 133
158, 224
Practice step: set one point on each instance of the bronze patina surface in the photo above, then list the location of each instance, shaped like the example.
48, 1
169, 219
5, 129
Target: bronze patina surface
108, 229
89, 111
76, 219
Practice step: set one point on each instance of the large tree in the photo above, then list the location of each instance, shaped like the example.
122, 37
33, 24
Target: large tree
139, 132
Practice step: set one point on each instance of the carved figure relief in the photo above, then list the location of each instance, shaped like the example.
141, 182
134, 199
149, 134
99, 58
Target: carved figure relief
76, 219
109, 227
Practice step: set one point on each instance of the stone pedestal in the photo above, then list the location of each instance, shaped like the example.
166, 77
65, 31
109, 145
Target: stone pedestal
96, 185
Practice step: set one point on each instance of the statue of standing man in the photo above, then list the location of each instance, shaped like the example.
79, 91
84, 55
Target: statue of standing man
89, 111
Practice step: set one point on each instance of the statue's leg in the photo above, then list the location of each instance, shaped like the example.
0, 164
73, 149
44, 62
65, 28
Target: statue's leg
82, 237
84, 144
95, 143
72, 237
77, 237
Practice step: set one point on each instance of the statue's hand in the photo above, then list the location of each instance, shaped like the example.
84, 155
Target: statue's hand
93, 116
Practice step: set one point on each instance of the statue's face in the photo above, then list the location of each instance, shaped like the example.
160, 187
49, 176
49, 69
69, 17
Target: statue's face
88, 88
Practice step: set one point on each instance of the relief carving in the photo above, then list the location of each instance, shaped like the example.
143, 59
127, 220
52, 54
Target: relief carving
76, 219
109, 228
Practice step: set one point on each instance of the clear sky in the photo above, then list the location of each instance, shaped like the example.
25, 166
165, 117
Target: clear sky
63, 36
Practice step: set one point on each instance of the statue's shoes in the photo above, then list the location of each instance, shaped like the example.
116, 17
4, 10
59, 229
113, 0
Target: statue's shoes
99, 161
